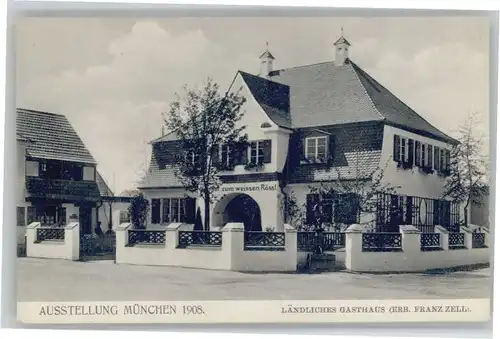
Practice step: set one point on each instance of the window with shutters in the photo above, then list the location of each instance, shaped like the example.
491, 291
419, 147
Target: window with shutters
193, 157
256, 155
442, 163
418, 154
403, 150
423, 155
316, 148
173, 210
429, 157
226, 156
21, 216
436, 158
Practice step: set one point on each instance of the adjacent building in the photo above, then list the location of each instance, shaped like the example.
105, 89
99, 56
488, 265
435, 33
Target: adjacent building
57, 180
313, 125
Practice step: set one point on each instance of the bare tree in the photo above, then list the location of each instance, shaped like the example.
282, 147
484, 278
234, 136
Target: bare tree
204, 121
467, 181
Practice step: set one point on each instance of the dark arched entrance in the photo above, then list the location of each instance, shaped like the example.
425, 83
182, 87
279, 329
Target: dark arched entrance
243, 209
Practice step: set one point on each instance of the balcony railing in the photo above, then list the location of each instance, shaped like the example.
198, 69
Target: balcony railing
62, 189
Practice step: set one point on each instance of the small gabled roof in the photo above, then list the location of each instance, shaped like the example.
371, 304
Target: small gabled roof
266, 54
273, 98
51, 136
103, 186
342, 40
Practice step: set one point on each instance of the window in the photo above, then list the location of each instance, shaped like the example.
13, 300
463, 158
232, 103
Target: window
423, 155
256, 152
155, 211
226, 155
21, 216
436, 158
442, 163
429, 156
193, 157
173, 210
402, 150
418, 154
124, 217
43, 167
316, 148
31, 214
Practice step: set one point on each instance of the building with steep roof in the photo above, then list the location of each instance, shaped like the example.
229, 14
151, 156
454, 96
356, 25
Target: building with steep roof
57, 176
310, 125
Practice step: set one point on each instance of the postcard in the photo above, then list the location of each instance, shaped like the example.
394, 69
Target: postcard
253, 169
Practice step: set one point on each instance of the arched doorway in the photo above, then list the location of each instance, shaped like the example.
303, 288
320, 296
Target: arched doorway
240, 208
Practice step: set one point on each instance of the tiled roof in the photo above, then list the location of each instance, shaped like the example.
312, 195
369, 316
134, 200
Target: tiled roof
326, 94
273, 97
52, 137
161, 178
360, 165
103, 187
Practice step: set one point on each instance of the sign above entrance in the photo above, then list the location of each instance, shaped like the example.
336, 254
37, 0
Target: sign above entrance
253, 187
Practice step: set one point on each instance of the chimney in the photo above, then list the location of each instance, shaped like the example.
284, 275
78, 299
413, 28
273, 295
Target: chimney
341, 49
266, 63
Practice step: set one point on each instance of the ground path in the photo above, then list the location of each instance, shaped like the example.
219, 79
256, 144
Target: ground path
60, 280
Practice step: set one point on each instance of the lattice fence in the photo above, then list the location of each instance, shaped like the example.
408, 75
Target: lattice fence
264, 240
200, 238
430, 241
52, 233
146, 237
456, 240
381, 242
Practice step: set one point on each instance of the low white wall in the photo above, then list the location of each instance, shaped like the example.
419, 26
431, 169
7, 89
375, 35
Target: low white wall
411, 258
230, 256
69, 248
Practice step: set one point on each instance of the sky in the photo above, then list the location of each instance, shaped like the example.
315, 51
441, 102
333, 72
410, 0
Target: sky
114, 77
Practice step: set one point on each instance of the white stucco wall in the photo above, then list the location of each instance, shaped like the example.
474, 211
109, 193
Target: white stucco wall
230, 256
411, 182
68, 249
253, 118
411, 258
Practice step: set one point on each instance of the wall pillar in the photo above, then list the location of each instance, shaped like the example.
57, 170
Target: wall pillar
72, 240
233, 244
291, 244
121, 234
353, 246
443, 238
410, 239
467, 237
31, 237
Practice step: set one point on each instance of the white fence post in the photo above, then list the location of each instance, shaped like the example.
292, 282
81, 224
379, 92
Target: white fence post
233, 244
291, 244
121, 236
467, 236
410, 239
31, 237
443, 237
72, 240
353, 246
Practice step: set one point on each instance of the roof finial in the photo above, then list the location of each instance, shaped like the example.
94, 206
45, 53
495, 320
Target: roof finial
267, 46
341, 30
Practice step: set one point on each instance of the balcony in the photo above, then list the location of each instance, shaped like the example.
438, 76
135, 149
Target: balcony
59, 189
